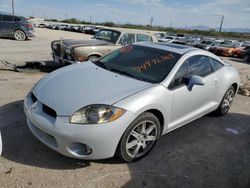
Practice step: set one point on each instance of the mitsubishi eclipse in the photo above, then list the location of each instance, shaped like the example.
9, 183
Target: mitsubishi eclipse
123, 102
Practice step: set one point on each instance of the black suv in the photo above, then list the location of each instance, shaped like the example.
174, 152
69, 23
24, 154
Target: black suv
247, 54
15, 26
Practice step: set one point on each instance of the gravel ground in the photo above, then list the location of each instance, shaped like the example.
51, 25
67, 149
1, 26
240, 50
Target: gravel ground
209, 152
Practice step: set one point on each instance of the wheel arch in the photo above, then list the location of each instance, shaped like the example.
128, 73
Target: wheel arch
236, 87
94, 54
157, 113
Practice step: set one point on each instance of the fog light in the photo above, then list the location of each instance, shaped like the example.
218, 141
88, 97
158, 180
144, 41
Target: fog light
79, 149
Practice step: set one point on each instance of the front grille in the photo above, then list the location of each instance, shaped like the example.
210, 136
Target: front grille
58, 50
49, 111
33, 98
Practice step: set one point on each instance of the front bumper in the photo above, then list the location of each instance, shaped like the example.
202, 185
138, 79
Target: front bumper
62, 61
68, 139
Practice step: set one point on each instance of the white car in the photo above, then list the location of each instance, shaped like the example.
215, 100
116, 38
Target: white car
123, 102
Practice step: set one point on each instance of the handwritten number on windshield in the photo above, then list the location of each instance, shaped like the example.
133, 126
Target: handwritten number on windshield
152, 62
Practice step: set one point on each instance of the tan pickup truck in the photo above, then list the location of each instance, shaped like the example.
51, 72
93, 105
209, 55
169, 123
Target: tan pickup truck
71, 51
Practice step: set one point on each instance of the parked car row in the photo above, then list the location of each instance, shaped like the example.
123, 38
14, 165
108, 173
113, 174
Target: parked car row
89, 29
221, 47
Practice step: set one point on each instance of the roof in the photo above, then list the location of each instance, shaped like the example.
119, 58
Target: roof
7, 13
126, 30
176, 48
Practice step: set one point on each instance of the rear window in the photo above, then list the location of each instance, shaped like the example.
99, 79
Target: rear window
139, 62
142, 37
7, 18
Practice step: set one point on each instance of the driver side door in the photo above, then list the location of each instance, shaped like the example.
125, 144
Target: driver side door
191, 104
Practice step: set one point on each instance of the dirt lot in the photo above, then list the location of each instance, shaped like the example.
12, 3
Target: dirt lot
205, 153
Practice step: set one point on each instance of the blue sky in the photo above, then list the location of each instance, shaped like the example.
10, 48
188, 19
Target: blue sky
180, 13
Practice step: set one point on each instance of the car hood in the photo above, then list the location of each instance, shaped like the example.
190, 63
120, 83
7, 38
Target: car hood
70, 43
71, 88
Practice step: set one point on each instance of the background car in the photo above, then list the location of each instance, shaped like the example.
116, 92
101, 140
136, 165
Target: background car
0, 144
123, 102
247, 54
70, 51
14, 26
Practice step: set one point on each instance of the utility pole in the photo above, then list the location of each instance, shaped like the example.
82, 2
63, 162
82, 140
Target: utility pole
90, 19
151, 22
13, 9
222, 19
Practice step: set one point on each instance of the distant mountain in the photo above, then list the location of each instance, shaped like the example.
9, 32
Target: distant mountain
203, 27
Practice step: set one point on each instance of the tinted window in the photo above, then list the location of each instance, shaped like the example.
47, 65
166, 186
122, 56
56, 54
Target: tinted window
127, 38
180, 77
216, 64
199, 65
142, 37
7, 18
143, 63
17, 19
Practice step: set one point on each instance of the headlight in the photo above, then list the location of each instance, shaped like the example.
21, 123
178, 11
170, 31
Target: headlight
96, 114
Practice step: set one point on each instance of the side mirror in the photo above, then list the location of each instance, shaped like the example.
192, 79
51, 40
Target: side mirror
124, 43
195, 80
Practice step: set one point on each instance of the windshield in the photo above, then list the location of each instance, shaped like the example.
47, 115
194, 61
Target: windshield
139, 62
108, 35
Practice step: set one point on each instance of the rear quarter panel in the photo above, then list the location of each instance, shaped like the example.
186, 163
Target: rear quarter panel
227, 76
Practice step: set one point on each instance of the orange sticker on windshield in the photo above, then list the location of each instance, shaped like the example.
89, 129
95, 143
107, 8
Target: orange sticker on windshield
126, 49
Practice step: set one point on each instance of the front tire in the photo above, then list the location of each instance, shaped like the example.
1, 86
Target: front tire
139, 138
226, 102
19, 35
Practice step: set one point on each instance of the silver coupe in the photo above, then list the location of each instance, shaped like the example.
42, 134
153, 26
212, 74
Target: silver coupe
123, 102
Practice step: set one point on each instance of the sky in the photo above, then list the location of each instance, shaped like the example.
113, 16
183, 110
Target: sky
178, 13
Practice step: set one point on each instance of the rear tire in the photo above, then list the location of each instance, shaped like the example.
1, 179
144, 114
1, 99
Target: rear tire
247, 58
19, 35
226, 102
139, 138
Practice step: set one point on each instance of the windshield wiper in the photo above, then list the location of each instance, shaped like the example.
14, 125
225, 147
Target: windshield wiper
124, 73
98, 63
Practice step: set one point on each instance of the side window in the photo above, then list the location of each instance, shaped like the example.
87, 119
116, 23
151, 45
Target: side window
216, 64
199, 65
17, 19
127, 38
7, 18
143, 37
181, 77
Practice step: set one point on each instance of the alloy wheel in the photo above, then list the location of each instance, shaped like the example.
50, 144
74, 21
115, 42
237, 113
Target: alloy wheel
141, 139
227, 101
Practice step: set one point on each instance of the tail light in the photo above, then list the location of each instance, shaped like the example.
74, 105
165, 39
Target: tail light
28, 25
